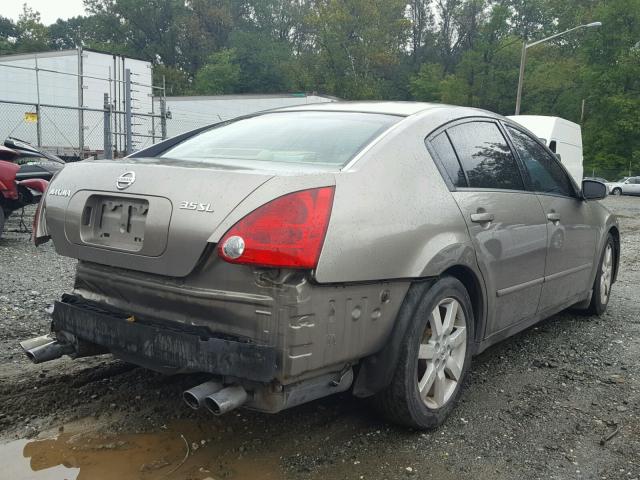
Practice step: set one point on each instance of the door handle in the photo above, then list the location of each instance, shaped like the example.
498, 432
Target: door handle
482, 217
553, 217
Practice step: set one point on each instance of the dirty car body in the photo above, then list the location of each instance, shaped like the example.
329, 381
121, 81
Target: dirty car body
287, 253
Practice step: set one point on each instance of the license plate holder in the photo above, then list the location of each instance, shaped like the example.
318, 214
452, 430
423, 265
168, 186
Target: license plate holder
115, 222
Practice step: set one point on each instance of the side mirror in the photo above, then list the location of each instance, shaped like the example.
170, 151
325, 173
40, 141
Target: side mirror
593, 190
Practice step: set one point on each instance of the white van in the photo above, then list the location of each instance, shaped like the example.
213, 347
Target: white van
561, 136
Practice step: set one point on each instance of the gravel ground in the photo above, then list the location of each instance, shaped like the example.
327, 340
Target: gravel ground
540, 405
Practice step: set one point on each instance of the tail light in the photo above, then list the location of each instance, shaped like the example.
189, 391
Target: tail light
286, 232
39, 233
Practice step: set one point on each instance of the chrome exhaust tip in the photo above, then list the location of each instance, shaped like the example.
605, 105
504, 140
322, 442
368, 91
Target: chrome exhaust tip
36, 342
45, 348
194, 397
226, 400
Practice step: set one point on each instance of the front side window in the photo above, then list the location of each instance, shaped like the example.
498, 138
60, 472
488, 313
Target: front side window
545, 173
485, 156
321, 139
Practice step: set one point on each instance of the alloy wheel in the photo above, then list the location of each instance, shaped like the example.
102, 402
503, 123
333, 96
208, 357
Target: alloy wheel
606, 274
442, 353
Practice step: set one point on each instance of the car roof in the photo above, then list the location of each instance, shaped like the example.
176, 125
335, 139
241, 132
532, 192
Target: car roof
403, 109
391, 108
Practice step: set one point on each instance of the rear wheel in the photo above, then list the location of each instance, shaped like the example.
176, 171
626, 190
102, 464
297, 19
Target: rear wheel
604, 279
616, 191
434, 358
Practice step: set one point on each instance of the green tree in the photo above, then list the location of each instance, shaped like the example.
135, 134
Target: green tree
358, 43
32, 35
177, 81
219, 75
148, 29
76, 31
8, 34
427, 84
612, 88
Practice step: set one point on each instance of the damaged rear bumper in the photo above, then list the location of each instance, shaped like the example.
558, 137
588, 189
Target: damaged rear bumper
163, 345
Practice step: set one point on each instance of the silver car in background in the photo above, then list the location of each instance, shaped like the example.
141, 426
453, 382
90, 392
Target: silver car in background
625, 186
296, 253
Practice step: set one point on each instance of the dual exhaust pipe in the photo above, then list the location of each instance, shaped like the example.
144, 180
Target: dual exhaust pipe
46, 348
213, 395
217, 398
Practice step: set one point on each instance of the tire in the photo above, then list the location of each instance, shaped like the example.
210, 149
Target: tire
616, 191
604, 279
439, 362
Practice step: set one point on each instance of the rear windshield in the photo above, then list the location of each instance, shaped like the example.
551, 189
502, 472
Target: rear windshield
328, 139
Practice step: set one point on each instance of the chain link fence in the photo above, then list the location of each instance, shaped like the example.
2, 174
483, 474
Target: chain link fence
81, 103
55, 129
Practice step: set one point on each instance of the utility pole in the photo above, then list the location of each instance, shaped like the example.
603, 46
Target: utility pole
523, 59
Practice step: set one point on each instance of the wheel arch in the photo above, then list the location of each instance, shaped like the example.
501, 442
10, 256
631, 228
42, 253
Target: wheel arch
376, 371
474, 287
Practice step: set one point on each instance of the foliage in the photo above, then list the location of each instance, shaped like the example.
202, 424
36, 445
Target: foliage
219, 75
31, 33
463, 52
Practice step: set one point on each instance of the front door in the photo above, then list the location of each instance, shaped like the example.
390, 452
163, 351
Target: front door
572, 234
634, 186
506, 223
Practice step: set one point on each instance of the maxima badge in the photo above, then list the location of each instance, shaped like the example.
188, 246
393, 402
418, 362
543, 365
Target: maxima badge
125, 180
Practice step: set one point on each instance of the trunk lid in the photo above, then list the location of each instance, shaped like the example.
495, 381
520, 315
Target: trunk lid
154, 215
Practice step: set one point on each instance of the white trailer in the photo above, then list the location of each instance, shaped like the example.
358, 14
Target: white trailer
191, 112
62, 81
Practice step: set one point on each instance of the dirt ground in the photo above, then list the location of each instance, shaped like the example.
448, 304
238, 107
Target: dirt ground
558, 401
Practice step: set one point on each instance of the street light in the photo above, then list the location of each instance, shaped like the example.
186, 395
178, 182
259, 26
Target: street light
523, 59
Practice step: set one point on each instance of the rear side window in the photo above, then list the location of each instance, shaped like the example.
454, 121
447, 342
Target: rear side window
545, 173
328, 139
485, 156
448, 159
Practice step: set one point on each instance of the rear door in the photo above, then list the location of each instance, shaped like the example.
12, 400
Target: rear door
506, 223
572, 230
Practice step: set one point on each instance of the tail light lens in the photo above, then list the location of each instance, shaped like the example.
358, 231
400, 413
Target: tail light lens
39, 233
286, 232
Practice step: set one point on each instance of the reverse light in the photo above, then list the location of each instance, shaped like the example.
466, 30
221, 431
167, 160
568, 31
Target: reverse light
233, 247
286, 232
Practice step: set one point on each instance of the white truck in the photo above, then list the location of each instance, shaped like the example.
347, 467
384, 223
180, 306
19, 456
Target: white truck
563, 137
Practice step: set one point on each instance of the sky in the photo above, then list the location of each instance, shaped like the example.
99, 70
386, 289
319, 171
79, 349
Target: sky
50, 10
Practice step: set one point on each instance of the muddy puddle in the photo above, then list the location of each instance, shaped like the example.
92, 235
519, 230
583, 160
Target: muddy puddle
179, 451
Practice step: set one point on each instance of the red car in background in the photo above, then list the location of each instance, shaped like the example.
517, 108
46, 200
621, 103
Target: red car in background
24, 176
